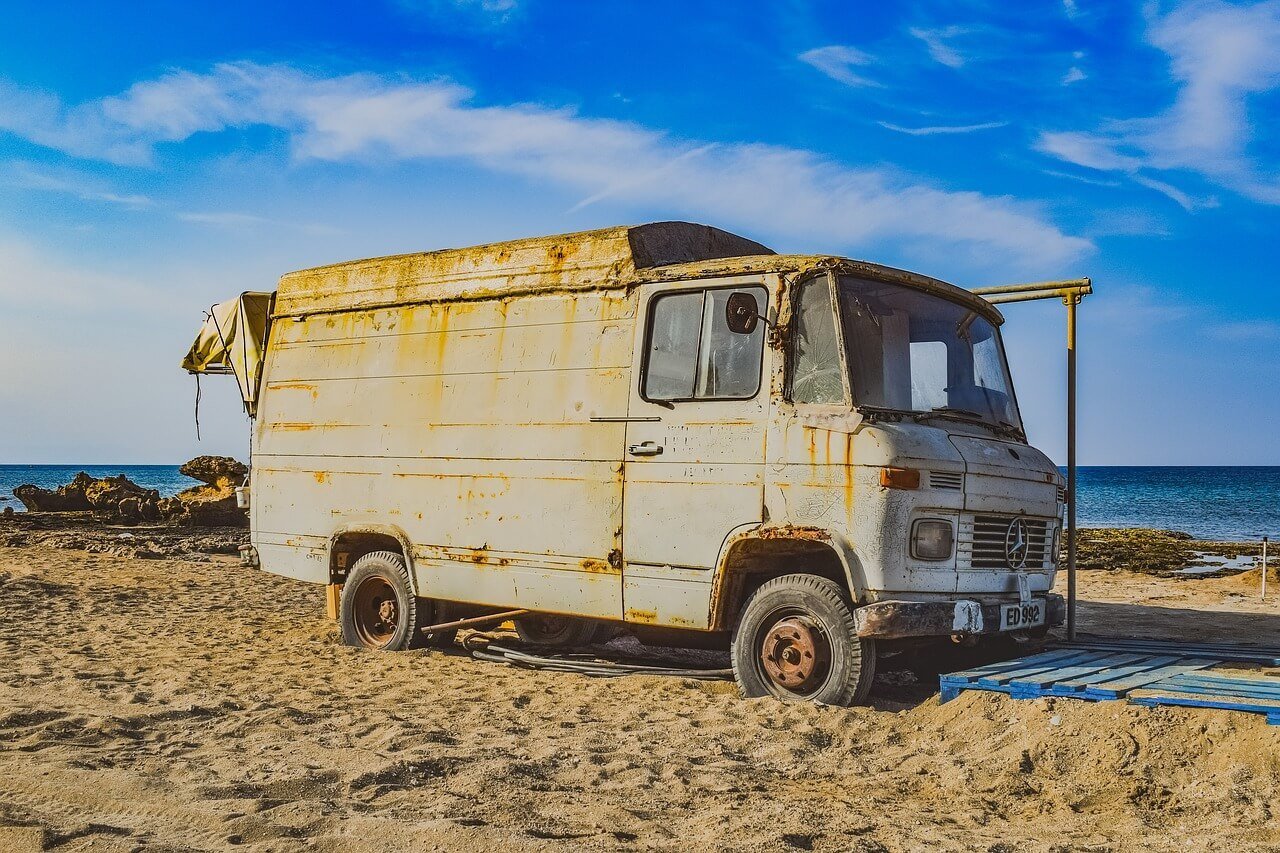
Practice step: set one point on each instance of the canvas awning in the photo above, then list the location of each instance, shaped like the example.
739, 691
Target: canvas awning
233, 340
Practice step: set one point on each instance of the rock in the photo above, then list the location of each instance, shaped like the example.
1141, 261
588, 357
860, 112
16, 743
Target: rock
130, 510
213, 504
106, 495
68, 498
220, 471
118, 499
151, 509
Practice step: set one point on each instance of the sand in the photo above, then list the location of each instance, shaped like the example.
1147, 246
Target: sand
179, 705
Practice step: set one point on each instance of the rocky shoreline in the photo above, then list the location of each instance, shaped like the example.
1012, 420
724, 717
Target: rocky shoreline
119, 500
115, 516
1162, 552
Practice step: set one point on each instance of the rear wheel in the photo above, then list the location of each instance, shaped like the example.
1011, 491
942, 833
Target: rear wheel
549, 629
378, 609
797, 640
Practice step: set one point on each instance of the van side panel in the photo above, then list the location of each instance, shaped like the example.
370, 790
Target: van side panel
467, 426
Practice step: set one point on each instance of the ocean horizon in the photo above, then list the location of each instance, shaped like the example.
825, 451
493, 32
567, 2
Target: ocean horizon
1231, 503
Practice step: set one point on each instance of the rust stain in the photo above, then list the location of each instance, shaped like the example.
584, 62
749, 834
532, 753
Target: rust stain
321, 476
792, 531
296, 386
848, 471
646, 616
599, 567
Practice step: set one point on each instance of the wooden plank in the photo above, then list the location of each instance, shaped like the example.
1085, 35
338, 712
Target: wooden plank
1216, 692
1119, 687
1221, 686
1272, 712
1264, 682
1034, 668
1004, 666
1075, 671
1143, 664
1223, 651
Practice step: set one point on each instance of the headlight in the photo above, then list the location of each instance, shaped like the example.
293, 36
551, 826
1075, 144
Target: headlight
932, 539
1053, 549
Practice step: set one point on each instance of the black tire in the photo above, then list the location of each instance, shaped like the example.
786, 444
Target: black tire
800, 629
378, 609
548, 629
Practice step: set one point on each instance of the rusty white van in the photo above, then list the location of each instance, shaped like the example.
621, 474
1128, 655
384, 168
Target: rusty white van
812, 459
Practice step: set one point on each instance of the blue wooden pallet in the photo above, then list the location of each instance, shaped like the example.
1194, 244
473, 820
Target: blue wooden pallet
1211, 690
1072, 673
1267, 656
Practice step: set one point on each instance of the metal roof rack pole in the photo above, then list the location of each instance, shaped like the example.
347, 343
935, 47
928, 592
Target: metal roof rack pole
1071, 302
1071, 292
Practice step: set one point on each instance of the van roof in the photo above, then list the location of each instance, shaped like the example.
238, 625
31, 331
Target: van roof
805, 263
588, 260
604, 259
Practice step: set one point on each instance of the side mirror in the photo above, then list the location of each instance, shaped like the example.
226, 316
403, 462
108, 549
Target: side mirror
741, 313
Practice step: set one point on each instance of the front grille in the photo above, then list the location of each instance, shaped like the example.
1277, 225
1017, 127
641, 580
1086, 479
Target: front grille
946, 479
983, 539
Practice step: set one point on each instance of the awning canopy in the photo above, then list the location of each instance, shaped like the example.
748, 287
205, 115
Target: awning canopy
233, 340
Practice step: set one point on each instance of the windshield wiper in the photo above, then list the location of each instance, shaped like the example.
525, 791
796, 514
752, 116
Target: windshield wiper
968, 417
884, 413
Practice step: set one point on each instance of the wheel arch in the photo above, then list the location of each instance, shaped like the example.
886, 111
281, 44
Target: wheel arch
754, 555
351, 542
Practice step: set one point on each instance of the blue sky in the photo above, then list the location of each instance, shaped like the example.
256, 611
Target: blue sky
158, 157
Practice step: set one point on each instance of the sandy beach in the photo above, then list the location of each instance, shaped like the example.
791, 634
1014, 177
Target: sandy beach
172, 704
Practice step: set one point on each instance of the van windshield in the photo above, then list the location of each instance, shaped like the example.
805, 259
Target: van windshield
913, 351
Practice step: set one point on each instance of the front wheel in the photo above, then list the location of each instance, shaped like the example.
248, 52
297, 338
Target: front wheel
797, 640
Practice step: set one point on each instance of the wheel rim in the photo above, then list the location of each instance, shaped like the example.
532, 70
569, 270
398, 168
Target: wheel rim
795, 653
376, 611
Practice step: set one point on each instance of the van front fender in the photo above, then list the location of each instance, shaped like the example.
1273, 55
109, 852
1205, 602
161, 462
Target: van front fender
770, 551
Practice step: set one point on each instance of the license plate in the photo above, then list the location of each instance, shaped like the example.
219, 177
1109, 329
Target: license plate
1017, 616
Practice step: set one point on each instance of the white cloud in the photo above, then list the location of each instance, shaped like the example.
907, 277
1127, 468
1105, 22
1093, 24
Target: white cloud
936, 41
239, 219
363, 117
1182, 198
1220, 56
488, 11
837, 61
1247, 330
1070, 8
1082, 179
932, 131
1086, 149
1073, 75
29, 176
227, 218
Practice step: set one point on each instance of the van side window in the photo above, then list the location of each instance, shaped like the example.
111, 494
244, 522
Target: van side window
816, 376
693, 355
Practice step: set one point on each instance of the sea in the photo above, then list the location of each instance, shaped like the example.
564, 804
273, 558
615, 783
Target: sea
1231, 504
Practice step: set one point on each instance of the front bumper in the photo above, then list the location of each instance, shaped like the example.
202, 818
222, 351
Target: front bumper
892, 620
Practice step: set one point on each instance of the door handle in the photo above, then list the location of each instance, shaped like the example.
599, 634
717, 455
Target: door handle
647, 448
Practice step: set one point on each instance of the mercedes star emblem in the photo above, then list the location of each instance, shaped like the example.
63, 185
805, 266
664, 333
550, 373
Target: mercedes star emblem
1016, 544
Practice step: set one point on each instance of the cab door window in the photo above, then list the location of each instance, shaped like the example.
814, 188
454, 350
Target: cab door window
691, 354
816, 372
